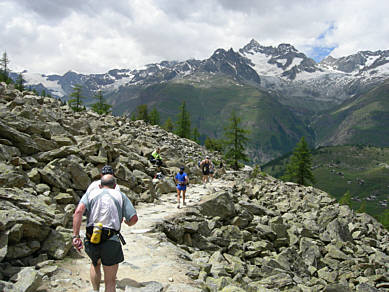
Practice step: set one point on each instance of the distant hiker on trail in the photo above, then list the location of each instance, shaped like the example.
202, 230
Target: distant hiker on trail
205, 167
107, 169
181, 180
105, 208
156, 157
211, 171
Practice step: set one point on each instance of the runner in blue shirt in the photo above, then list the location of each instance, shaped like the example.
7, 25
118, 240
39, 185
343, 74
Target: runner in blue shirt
181, 180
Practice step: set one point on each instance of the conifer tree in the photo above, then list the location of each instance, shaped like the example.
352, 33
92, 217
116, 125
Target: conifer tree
76, 102
100, 106
196, 135
20, 82
4, 64
43, 93
300, 164
236, 139
154, 117
183, 122
214, 144
142, 113
346, 199
168, 125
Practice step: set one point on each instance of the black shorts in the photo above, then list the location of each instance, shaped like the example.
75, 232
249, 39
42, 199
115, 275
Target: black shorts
110, 252
205, 171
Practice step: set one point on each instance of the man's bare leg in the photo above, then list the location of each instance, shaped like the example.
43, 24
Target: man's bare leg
110, 277
178, 197
183, 197
95, 275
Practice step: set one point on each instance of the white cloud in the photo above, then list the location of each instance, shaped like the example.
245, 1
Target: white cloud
95, 35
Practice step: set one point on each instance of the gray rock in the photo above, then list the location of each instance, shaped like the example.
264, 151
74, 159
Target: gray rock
310, 252
217, 284
364, 287
63, 198
7, 152
277, 281
58, 244
10, 176
219, 204
23, 141
27, 280
336, 288
3, 245
146, 287
336, 230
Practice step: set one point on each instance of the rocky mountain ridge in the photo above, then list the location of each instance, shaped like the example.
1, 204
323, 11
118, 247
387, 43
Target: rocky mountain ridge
281, 64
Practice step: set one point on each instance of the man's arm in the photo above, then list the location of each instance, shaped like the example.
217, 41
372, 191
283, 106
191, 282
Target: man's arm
132, 221
77, 218
129, 212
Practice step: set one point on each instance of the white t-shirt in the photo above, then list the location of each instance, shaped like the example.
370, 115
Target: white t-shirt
96, 185
107, 206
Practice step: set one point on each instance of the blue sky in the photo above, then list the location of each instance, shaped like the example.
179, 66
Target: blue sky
93, 36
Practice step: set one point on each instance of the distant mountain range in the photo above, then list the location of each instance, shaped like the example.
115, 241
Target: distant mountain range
280, 92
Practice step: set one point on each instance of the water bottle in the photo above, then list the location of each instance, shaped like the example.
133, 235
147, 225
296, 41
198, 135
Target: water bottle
96, 235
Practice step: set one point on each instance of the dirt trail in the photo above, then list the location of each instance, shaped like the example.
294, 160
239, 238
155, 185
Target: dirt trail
147, 256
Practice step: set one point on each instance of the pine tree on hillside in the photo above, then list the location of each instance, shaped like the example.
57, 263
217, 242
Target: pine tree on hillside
142, 113
300, 164
236, 139
214, 144
154, 117
346, 199
196, 135
20, 82
100, 106
168, 125
4, 69
76, 102
183, 122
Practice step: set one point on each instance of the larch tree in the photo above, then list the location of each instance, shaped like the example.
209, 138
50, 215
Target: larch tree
299, 168
76, 102
183, 122
101, 107
235, 142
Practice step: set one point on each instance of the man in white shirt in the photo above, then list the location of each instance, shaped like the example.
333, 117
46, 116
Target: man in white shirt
107, 169
110, 207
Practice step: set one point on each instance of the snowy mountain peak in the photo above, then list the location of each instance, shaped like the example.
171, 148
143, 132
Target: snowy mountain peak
363, 62
286, 48
284, 61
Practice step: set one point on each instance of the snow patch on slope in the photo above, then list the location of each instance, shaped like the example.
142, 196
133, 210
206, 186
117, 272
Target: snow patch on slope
37, 78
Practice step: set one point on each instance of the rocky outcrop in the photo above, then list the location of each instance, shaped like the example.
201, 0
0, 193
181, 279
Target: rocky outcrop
48, 157
266, 235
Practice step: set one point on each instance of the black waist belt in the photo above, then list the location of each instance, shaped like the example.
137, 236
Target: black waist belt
106, 233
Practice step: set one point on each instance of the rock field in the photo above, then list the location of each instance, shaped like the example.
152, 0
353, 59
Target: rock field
244, 232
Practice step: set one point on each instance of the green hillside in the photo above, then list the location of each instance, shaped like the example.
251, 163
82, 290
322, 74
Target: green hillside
274, 129
362, 170
361, 120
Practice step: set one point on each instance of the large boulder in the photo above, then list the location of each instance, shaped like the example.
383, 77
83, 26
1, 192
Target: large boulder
10, 176
58, 244
27, 280
219, 204
7, 152
23, 141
